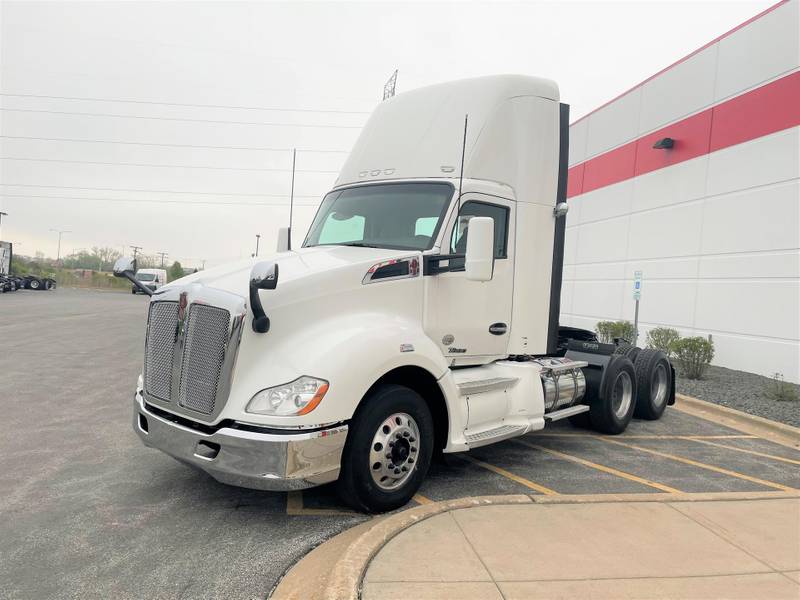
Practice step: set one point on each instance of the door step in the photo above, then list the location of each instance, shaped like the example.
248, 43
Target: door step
468, 388
565, 412
490, 436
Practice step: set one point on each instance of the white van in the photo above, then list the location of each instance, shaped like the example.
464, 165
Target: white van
152, 278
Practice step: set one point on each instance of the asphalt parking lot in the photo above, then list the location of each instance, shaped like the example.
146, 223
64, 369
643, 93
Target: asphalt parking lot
86, 511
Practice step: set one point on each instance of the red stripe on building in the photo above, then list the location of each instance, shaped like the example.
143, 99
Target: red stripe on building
768, 109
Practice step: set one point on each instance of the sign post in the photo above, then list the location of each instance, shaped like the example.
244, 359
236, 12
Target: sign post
637, 294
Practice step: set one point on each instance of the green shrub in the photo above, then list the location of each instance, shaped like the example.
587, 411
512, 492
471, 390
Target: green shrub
607, 331
663, 338
694, 354
778, 389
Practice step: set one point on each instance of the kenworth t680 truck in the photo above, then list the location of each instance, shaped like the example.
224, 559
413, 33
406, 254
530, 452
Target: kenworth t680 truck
420, 314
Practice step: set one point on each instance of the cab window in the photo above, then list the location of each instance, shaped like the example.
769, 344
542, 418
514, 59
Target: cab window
458, 241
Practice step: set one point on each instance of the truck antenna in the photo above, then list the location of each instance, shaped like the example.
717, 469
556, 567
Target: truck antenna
461, 175
291, 199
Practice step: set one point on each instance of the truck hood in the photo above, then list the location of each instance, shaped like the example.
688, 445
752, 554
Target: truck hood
293, 266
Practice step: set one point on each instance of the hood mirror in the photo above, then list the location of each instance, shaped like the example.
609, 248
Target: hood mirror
124, 264
126, 267
263, 276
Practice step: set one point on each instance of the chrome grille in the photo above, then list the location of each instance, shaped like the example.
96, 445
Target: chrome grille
207, 330
162, 321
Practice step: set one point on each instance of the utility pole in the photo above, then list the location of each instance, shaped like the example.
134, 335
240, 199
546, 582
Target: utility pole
258, 237
135, 251
2, 214
163, 255
60, 232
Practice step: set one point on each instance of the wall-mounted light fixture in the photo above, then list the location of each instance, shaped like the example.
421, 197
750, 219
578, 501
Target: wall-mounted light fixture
664, 144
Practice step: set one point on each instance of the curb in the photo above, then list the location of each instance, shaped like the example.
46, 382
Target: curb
334, 570
780, 433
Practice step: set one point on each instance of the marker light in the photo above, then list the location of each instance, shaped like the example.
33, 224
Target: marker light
299, 397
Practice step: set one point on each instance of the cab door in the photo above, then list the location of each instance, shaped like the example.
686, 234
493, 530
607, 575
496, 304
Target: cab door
470, 320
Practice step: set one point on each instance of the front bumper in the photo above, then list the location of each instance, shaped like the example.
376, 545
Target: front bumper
264, 461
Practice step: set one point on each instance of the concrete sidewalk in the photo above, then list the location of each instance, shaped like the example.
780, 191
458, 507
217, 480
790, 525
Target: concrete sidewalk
710, 549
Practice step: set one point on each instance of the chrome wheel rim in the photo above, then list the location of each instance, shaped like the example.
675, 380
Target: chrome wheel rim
622, 395
394, 451
658, 388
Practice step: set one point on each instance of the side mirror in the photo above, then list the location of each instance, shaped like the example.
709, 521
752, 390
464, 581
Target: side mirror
284, 239
124, 264
479, 261
264, 276
126, 267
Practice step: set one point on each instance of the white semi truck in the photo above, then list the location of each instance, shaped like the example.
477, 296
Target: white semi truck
420, 314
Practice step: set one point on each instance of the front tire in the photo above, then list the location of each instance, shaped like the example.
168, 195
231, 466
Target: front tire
613, 409
388, 450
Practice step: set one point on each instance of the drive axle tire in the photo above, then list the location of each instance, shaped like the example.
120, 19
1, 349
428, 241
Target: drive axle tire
388, 450
630, 352
653, 382
613, 409
35, 284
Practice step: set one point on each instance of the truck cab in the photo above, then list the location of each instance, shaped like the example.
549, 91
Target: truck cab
419, 316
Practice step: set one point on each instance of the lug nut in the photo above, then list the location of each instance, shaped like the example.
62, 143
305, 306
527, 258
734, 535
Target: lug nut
397, 471
410, 460
404, 469
399, 435
406, 434
412, 440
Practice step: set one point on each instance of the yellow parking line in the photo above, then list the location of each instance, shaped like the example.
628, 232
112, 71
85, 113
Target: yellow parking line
509, 475
695, 463
747, 451
603, 468
655, 437
422, 499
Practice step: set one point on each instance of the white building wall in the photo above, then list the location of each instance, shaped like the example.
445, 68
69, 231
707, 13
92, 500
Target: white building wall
717, 236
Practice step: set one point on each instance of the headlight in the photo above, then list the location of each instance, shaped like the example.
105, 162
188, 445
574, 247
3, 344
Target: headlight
299, 397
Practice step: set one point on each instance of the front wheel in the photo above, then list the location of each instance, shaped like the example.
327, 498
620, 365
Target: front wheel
388, 450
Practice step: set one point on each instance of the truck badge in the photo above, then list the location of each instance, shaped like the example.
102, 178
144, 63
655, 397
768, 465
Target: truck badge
448, 339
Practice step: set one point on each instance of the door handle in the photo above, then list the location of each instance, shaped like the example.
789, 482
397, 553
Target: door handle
498, 328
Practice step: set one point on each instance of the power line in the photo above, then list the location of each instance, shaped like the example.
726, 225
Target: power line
154, 102
154, 201
183, 119
123, 164
255, 148
135, 190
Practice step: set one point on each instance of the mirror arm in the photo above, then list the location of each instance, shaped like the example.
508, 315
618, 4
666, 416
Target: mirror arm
260, 318
430, 263
142, 287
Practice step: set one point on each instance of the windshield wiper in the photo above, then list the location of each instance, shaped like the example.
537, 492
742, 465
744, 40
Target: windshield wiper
359, 245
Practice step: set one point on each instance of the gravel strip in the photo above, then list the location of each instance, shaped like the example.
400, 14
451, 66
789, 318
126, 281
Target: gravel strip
743, 391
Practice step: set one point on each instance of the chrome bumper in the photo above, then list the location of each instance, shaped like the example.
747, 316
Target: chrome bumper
263, 461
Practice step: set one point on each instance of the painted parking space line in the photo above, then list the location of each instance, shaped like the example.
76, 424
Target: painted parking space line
422, 499
509, 475
652, 436
695, 463
746, 451
599, 467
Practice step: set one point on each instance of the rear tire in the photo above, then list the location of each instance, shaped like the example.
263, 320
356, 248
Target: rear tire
630, 352
391, 430
35, 284
653, 382
613, 409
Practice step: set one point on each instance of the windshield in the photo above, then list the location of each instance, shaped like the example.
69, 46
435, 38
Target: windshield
145, 276
402, 216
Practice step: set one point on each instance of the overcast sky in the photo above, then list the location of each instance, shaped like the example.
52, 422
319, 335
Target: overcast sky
185, 94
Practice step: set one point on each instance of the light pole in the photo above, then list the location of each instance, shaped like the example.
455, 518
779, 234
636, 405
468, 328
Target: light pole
2, 214
258, 237
60, 232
